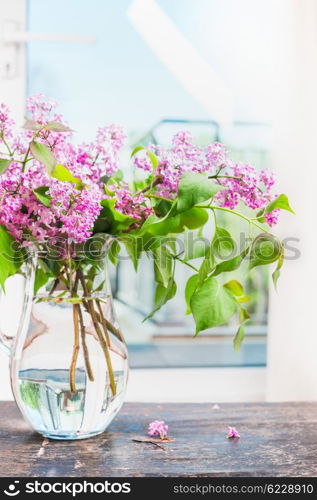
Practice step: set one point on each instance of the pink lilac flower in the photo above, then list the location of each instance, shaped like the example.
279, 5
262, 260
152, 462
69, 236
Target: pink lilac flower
158, 428
40, 108
109, 141
72, 212
272, 217
241, 182
232, 433
216, 155
268, 178
6, 122
132, 205
143, 162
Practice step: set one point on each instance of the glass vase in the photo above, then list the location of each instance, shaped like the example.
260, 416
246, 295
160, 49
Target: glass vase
68, 362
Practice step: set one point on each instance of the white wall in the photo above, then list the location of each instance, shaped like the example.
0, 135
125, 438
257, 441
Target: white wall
292, 347
12, 92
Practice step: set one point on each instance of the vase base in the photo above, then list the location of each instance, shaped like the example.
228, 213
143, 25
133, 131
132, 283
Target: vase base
70, 436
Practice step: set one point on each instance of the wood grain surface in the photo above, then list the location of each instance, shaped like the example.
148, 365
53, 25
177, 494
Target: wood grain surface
278, 439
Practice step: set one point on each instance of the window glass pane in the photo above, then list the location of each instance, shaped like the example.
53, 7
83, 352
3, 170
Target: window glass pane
121, 78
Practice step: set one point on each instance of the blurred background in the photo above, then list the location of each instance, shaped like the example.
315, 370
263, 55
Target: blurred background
239, 71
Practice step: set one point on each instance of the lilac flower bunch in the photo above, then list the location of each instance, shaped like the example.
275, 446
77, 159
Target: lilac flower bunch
55, 192
158, 428
241, 182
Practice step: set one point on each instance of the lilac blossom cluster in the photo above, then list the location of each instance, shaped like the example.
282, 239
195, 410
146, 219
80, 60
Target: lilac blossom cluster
132, 205
158, 428
241, 182
72, 211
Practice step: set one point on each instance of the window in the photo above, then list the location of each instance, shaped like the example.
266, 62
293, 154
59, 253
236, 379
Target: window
129, 76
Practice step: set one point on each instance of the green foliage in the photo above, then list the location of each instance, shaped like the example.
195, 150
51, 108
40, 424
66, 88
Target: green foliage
173, 222
162, 225
244, 317
239, 336
57, 127
223, 244
136, 150
234, 287
43, 154
207, 265
211, 305
191, 286
280, 202
265, 249
231, 264
42, 195
110, 220
277, 272
30, 394
194, 218
113, 252
193, 189
195, 248
163, 265
63, 174
41, 278
133, 246
162, 295
11, 257
154, 159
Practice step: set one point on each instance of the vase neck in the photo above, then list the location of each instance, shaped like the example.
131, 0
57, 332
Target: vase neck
63, 279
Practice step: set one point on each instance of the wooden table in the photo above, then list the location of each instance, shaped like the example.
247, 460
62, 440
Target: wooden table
276, 440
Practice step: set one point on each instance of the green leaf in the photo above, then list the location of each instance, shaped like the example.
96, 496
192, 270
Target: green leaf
162, 207
110, 220
43, 154
136, 150
194, 218
163, 266
162, 225
116, 177
57, 127
149, 242
222, 243
244, 317
237, 341
212, 305
280, 202
162, 295
154, 159
113, 252
41, 278
133, 248
4, 164
276, 273
175, 223
31, 125
195, 188
11, 257
231, 264
207, 265
265, 249
243, 298
195, 248
235, 288
191, 286
260, 216
42, 196
62, 173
